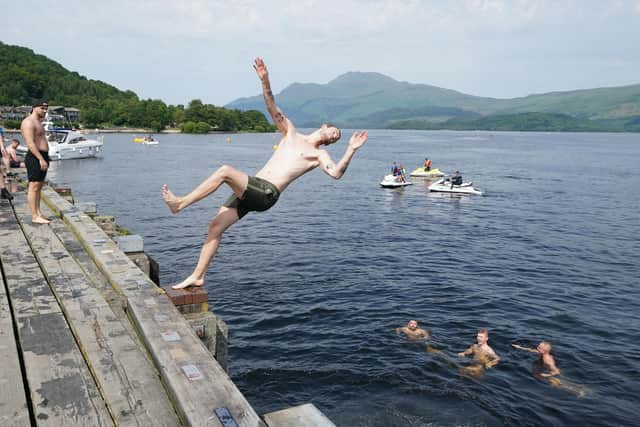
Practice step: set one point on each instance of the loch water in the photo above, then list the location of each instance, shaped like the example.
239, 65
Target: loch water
313, 288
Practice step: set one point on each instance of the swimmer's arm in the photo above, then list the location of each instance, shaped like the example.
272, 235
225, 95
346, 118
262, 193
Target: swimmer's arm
553, 369
495, 359
282, 123
399, 330
337, 170
519, 347
467, 352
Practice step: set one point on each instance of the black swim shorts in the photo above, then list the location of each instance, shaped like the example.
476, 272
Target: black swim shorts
259, 196
34, 173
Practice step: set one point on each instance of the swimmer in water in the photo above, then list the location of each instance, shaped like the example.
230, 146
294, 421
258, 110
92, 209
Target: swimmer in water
544, 368
412, 331
483, 354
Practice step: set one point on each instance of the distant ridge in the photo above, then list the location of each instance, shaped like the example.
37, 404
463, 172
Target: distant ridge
374, 100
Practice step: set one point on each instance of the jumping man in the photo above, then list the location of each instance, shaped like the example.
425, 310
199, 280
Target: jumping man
296, 155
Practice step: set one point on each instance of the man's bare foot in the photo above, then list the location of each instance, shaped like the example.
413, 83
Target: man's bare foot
40, 220
171, 200
189, 281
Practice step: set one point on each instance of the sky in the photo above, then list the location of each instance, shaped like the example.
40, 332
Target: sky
180, 50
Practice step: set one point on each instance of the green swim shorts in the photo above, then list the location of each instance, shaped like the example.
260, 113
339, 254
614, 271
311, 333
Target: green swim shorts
259, 196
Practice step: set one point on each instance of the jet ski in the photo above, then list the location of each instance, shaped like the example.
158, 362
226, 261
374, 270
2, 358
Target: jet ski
391, 181
433, 173
445, 186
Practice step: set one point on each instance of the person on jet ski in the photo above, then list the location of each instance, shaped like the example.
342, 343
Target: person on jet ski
456, 179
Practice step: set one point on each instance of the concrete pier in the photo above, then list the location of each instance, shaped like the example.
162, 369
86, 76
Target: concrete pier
88, 339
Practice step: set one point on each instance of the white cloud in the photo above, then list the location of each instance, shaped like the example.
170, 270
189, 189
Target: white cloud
209, 44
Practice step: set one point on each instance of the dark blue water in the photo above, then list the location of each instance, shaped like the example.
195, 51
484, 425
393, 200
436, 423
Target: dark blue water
313, 288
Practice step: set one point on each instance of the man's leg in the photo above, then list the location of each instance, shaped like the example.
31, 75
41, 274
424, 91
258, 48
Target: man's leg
33, 199
224, 219
6, 161
236, 179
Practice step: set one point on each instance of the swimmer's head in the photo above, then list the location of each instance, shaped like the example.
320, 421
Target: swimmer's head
329, 133
483, 336
544, 347
413, 325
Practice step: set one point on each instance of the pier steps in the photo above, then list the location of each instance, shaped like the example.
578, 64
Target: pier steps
129, 384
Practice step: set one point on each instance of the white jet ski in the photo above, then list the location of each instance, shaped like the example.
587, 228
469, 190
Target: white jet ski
391, 181
444, 186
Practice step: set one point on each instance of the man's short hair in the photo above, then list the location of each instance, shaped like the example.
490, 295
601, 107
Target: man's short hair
484, 332
39, 103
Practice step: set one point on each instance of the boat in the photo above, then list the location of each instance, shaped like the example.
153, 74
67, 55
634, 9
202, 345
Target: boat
433, 173
390, 181
146, 140
65, 144
446, 187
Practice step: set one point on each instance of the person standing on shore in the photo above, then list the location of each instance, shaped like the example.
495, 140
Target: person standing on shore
296, 155
37, 158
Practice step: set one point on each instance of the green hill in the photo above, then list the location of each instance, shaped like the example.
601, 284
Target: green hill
26, 76
373, 100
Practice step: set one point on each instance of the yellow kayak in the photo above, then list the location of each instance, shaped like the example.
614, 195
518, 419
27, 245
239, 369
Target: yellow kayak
138, 139
433, 173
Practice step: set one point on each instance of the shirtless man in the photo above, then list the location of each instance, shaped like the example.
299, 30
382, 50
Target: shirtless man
544, 368
547, 365
296, 155
482, 353
14, 160
412, 331
37, 158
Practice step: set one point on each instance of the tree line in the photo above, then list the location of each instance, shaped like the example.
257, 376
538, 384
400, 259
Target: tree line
26, 77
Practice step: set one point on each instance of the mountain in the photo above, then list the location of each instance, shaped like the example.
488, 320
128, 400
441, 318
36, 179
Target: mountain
373, 100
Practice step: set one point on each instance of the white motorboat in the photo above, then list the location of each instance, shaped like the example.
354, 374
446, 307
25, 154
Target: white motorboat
445, 186
390, 181
65, 144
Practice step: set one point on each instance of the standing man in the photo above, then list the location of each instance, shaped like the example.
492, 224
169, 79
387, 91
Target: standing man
37, 158
296, 155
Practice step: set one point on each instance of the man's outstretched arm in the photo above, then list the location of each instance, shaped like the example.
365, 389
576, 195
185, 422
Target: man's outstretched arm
278, 116
337, 170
